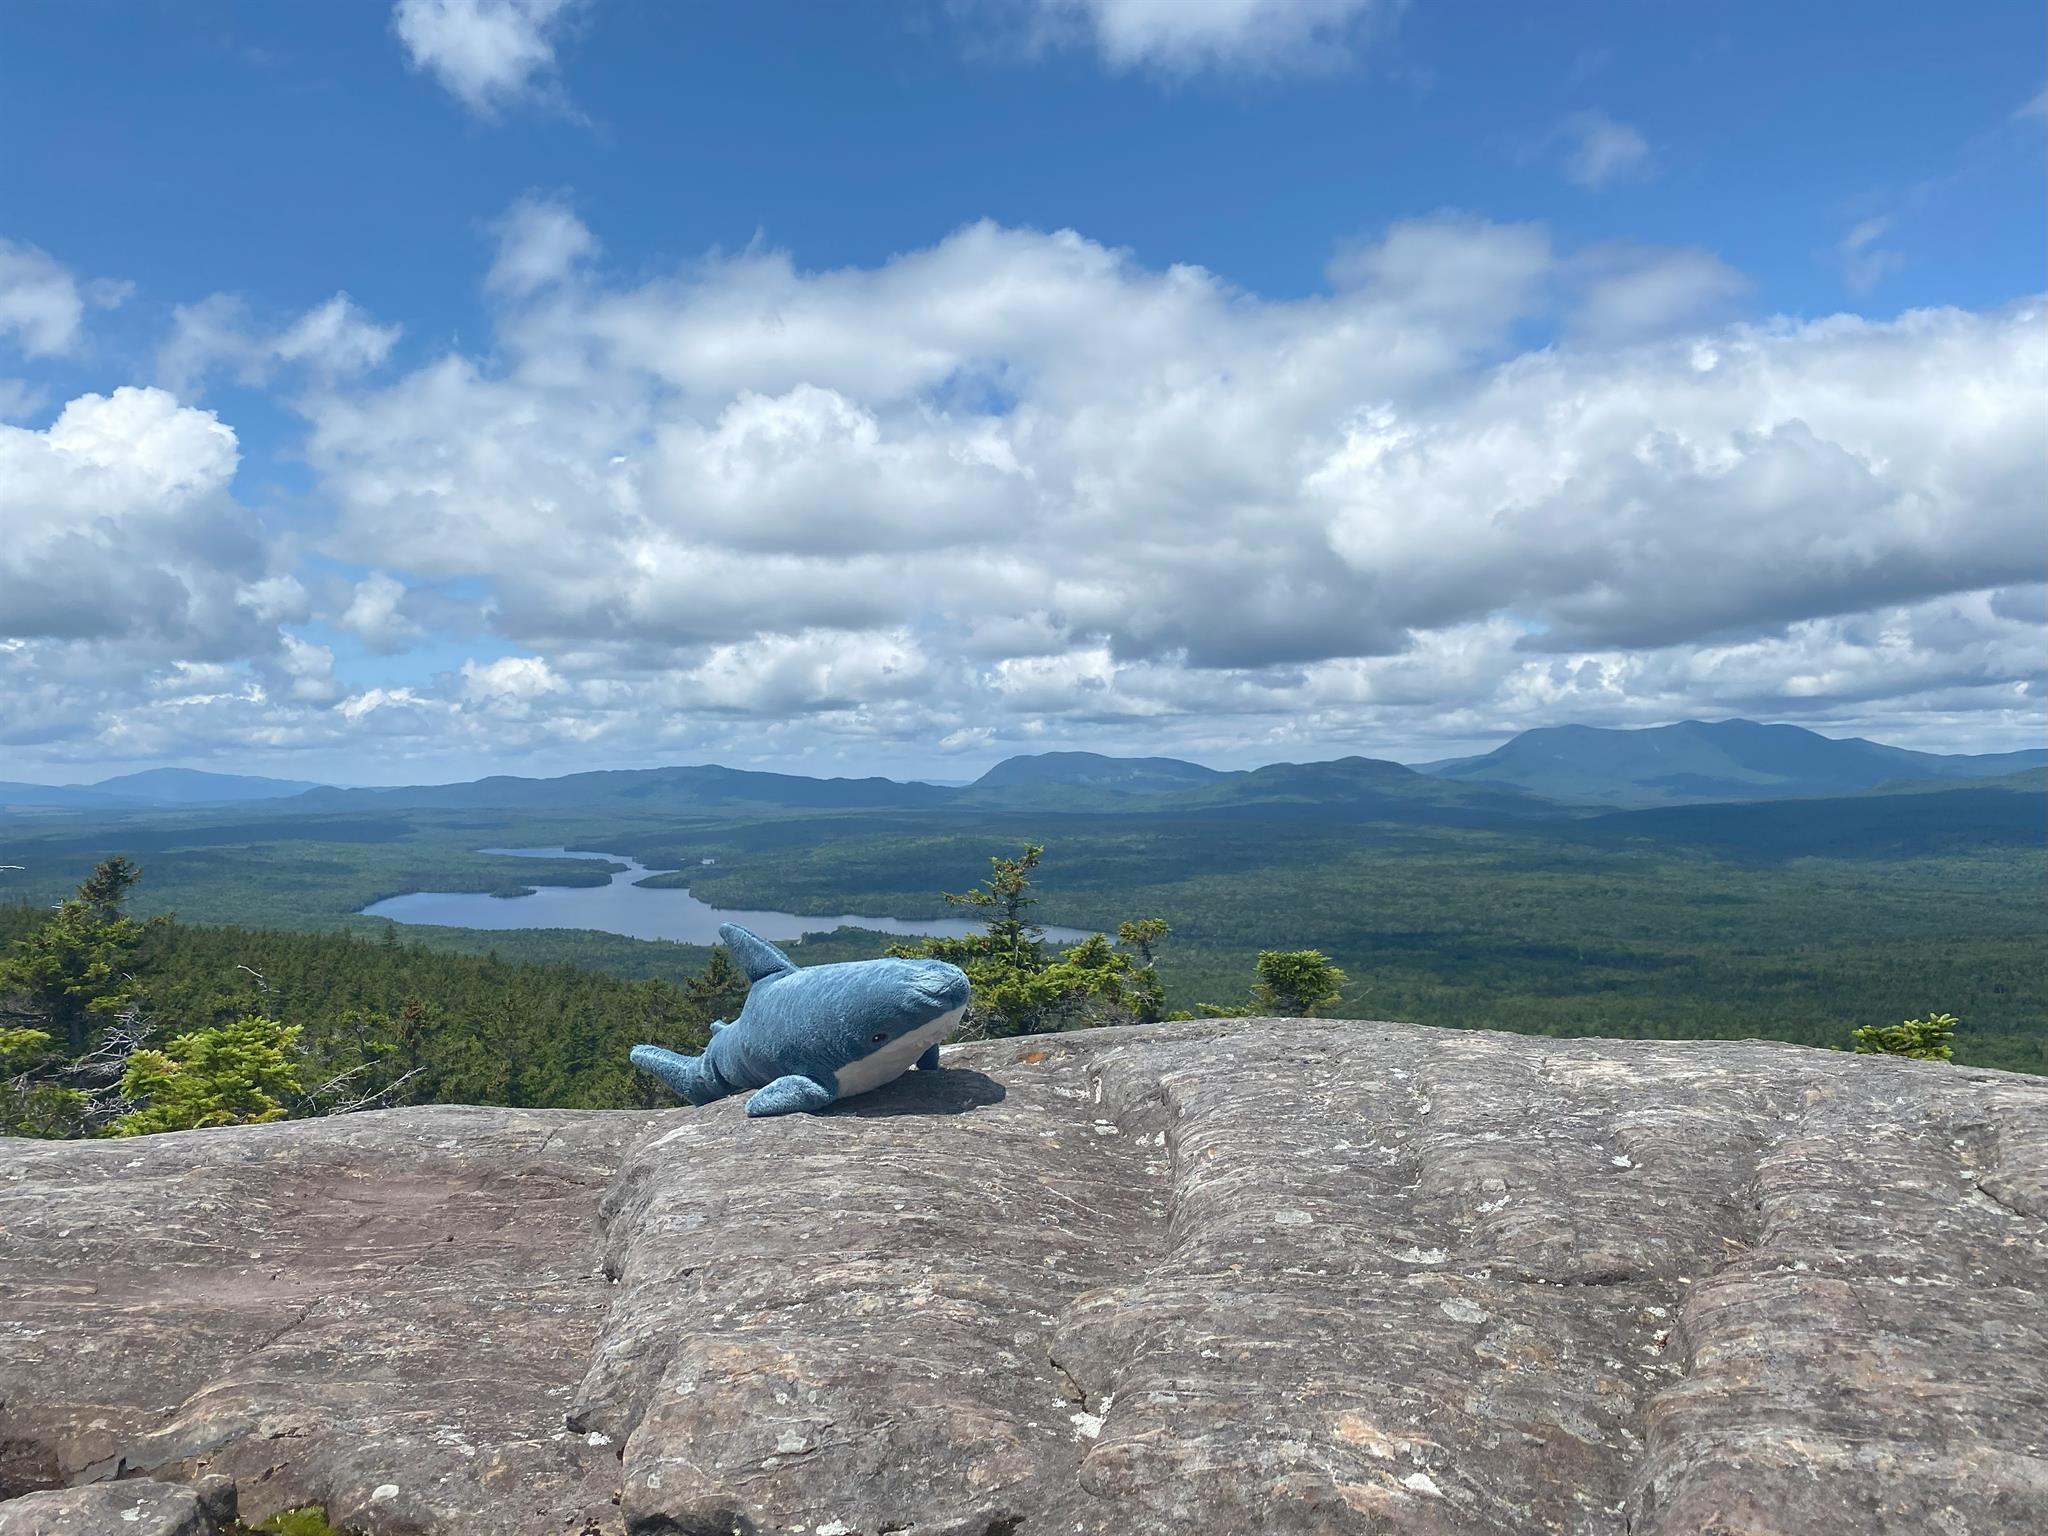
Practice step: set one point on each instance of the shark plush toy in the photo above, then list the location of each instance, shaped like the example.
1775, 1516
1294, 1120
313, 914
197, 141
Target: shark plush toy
810, 1037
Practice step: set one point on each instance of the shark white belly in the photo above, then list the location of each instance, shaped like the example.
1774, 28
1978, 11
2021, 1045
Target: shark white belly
895, 1058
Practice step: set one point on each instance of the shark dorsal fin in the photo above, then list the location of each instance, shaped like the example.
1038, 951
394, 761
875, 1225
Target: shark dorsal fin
756, 956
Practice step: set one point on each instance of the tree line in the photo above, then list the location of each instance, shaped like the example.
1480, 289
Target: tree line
114, 1026
110, 1026
1022, 987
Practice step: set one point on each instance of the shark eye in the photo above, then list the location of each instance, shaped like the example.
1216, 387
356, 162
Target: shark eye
878, 1039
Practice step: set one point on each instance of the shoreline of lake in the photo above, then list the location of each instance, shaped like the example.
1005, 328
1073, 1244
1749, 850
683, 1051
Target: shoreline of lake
637, 912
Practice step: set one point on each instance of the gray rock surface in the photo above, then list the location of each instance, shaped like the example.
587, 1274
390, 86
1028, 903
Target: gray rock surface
385, 1314
1244, 1276
134, 1506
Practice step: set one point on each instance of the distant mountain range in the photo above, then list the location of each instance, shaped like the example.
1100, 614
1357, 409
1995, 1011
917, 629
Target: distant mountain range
155, 788
1539, 775
1538, 772
1697, 761
707, 788
1352, 788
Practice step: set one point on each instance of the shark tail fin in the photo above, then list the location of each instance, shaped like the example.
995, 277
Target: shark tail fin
756, 956
684, 1075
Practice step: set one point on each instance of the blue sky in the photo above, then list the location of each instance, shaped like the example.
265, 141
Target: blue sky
895, 384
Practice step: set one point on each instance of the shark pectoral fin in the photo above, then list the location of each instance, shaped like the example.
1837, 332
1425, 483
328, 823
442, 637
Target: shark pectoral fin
718, 1024
756, 956
929, 1061
788, 1095
684, 1075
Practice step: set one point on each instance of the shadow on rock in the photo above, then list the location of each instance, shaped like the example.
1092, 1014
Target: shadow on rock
948, 1091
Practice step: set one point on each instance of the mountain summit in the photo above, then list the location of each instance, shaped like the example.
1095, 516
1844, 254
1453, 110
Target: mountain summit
1092, 770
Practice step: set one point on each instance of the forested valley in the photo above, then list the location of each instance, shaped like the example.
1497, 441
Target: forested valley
301, 1023
163, 968
117, 1024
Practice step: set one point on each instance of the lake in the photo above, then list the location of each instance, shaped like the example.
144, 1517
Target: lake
623, 907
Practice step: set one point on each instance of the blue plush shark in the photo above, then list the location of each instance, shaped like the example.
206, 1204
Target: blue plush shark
809, 1037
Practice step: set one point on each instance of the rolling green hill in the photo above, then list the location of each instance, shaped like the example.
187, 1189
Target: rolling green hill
1943, 818
1359, 789
1076, 777
190, 786
155, 788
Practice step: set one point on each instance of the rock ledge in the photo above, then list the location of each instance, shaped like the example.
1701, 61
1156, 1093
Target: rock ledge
1269, 1275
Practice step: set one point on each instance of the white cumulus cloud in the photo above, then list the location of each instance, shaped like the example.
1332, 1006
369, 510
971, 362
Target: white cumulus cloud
1669, 494
1181, 36
540, 241
119, 527
376, 615
490, 54
1018, 489
330, 341
336, 339
140, 605
1017, 485
518, 679
42, 302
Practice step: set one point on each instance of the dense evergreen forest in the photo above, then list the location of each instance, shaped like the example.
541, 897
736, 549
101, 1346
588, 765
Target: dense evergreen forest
1801, 922
110, 1025
384, 1023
